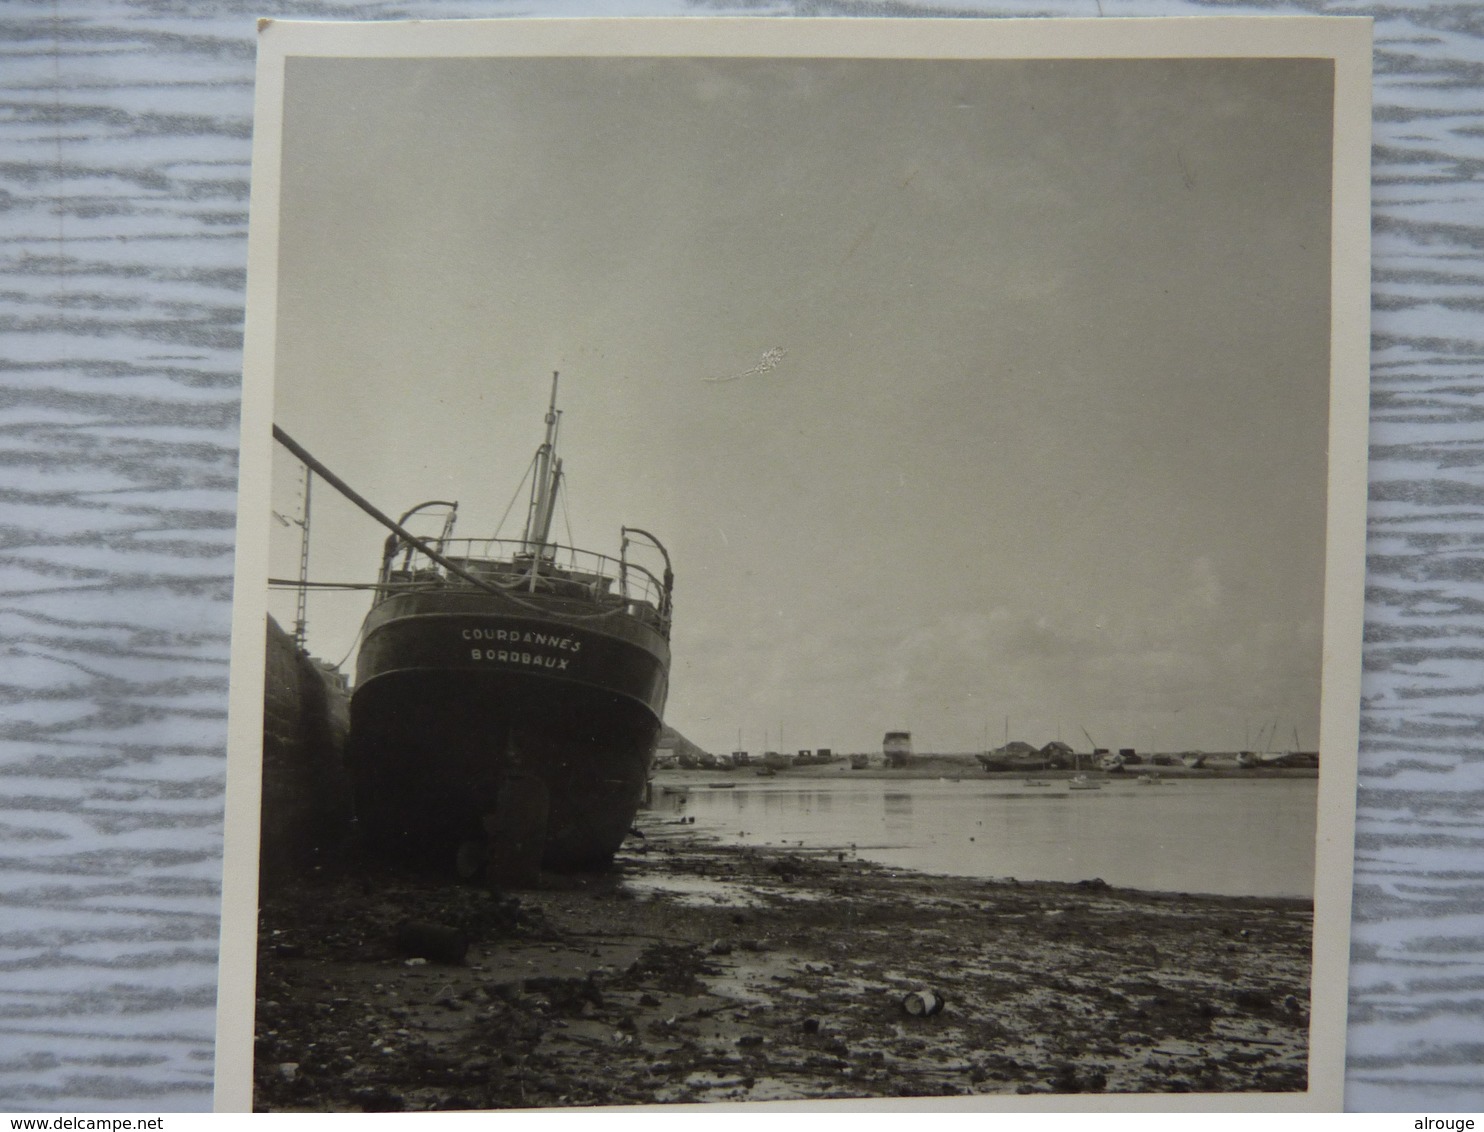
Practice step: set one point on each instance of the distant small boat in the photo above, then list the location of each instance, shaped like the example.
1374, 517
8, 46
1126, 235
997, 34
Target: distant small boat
1151, 780
1082, 782
767, 772
721, 786
1306, 759
1037, 782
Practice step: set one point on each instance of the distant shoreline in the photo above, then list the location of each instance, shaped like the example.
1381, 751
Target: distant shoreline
930, 767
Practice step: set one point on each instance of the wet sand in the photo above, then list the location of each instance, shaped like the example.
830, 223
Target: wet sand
696, 972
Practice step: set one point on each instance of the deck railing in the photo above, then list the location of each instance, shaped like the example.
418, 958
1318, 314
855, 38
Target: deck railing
583, 576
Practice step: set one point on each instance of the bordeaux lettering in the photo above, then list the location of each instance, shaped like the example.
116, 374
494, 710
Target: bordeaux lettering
510, 656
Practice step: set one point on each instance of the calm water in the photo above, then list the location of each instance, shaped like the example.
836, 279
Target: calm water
1244, 837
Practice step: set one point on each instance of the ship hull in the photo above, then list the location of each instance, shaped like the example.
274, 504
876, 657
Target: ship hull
305, 806
530, 736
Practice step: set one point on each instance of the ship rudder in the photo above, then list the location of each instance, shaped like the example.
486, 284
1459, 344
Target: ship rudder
516, 830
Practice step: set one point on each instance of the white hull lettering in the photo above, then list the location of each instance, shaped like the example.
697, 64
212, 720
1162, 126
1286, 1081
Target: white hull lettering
516, 637
510, 656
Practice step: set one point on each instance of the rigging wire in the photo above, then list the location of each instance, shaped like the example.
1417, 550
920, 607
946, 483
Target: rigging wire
290, 584
530, 469
354, 642
566, 512
488, 586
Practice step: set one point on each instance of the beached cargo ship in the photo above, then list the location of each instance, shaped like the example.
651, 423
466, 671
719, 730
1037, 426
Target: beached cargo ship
509, 693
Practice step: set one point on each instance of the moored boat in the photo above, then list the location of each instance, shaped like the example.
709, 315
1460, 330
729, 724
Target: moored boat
1308, 760
509, 693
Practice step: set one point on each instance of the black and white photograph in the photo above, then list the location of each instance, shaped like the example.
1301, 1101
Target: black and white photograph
817, 563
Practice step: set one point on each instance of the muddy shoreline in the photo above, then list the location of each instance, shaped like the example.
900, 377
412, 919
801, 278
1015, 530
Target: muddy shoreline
696, 972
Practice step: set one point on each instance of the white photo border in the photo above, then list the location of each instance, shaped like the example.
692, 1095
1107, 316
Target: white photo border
1345, 40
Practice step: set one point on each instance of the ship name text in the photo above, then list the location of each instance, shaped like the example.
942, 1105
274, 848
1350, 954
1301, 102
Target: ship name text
513, 656
520, 637
524, 656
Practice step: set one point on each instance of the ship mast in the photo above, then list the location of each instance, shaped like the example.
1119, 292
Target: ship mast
544, 483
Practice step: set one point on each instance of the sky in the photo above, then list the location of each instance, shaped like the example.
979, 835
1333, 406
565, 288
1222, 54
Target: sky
971, 398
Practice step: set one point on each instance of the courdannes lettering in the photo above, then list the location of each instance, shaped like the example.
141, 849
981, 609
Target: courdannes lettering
523, 637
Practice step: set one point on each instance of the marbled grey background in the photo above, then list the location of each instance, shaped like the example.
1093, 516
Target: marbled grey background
125, 137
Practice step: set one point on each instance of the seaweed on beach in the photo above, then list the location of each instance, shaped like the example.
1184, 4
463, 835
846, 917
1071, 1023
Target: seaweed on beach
783, 975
